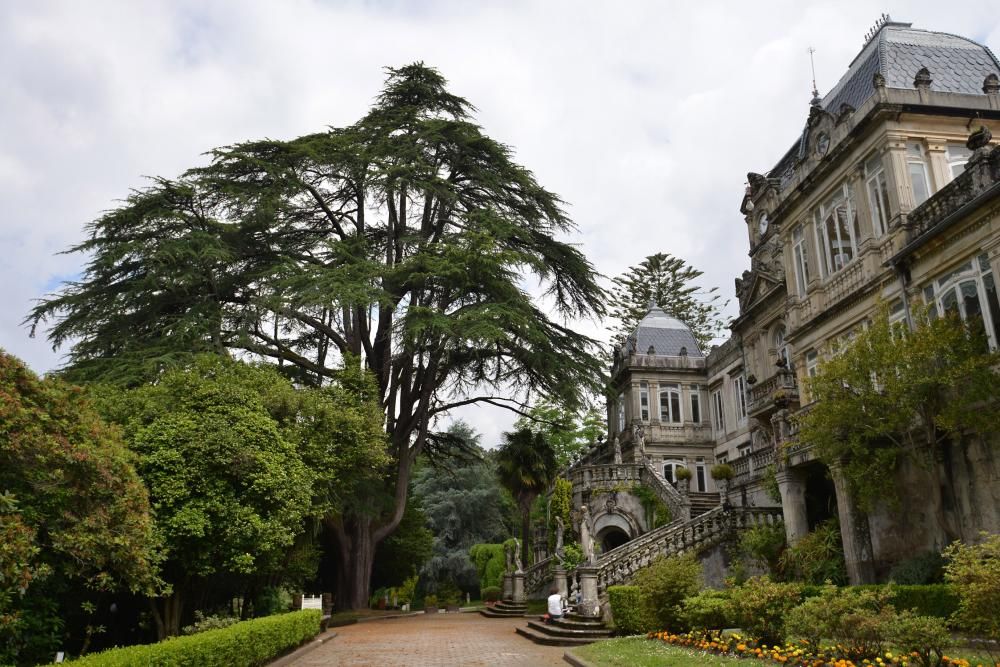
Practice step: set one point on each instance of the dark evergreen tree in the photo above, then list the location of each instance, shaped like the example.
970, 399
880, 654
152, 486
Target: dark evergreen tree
400, 243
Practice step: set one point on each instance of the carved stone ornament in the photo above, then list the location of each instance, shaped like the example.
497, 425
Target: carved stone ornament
991, 84
923, 78
756, 181
844, 112
878, 81
979, 139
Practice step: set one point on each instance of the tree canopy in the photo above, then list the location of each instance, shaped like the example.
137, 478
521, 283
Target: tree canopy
567, 431
666, 281
401, 242
893, 393
526, 466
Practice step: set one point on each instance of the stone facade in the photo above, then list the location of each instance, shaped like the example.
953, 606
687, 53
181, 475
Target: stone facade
890, 195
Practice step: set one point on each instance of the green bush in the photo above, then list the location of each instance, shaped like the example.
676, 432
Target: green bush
760, 606
490, 562
664, 585
816, 558
974, 572
931, 600
246, 644
430, 602
708, 610
764, 545
722, 471
859, 620
491, 593
925, 568
629, 611
408, 589
203, 623
925, 636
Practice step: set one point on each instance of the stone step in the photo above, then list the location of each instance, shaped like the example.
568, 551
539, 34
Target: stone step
501, 613
578, 623
553, 640
561, 631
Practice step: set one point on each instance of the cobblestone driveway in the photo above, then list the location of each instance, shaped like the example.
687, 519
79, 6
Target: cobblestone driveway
432, 639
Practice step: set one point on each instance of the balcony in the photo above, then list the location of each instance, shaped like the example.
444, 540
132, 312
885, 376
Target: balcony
775, 393
751, 467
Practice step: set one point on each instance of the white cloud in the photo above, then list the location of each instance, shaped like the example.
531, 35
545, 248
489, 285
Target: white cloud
644, 118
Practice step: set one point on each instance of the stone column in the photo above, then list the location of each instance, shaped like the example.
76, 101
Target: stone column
559, 576
590, 606
854, 532
508, 586
792, 486
518, 578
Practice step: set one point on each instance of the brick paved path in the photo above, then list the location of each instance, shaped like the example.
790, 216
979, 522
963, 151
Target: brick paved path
433, 639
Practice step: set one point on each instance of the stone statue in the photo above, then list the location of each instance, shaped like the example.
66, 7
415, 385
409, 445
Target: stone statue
639, 440
517, 556
618, 451
586, 539
559, 537
508, 558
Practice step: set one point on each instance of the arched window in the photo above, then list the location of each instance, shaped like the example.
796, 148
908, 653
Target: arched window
780, 347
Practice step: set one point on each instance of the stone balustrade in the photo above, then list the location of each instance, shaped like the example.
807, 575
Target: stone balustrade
539, 575
679, 506
604, 476
618, 566
772, 392
750, 467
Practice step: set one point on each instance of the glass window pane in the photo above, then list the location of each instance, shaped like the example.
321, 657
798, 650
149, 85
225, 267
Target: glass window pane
918, 178
949, 302
994, 306
884, 196
970, 300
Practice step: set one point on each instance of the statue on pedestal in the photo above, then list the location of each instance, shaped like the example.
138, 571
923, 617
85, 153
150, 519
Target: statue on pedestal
586, 537
639, 441
618, 451
517, 556
508, 558
559, 537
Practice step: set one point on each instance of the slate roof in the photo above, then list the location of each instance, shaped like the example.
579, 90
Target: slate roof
898, 51
666, 334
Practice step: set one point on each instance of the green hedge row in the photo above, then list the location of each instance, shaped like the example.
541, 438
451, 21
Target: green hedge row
245, 644
926, 600
628, 611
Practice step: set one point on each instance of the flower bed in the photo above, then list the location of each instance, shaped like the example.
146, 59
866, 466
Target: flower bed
792, 653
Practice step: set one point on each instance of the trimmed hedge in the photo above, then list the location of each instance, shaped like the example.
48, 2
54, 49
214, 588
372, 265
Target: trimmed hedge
247, 644
938, 600
628, 610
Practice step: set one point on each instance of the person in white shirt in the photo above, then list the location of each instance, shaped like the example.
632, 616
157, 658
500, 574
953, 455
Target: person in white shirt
555, 603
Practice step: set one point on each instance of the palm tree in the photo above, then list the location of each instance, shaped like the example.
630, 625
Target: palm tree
526, 465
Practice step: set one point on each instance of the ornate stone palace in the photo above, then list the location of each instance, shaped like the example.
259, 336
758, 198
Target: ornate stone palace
890, 194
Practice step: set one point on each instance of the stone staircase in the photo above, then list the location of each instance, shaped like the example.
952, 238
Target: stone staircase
505, 609
702, 503
571, 630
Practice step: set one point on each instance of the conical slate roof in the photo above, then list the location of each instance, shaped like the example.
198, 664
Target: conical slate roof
667, 335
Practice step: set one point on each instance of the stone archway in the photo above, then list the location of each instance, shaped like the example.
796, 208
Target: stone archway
613, 529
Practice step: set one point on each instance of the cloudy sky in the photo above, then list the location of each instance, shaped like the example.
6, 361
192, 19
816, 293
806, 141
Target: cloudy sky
643, 116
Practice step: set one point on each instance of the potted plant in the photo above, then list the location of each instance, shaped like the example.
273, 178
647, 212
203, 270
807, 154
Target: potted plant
722, 473
430, 604
683, 476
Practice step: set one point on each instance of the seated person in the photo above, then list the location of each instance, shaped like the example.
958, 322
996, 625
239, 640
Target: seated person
555, 604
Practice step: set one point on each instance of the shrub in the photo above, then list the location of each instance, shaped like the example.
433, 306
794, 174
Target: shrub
448, 594
491, 593
490, 562
722, 471
816, 558
629, 611
203, 623
812, 620
682, 473
664, 585
760, 605
931, 600
764, 545
708, 610
430, 601
974, 572
245, 644
408, 589
925, 636
857, 619
925, 568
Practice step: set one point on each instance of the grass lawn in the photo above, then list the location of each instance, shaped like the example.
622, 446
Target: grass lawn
642, 652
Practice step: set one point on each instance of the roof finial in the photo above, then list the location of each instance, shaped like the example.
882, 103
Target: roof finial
815, 99
881, 21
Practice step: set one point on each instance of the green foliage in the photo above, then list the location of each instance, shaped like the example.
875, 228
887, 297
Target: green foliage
859, 620
925, 636
568, 430
722, 471
407, 550
973, 570
816, 557
490, 562
708, 610
465, 505
629, 611
656, 511
667, 281
939, 600
448, 594
430, 601
664, 585
491, 593
526, 465
203, 623
764, 544
892, 394
760, 605
246, 644
770, 483
572, 555
74, 514
925, 568
407, 591
560, 505
683, 474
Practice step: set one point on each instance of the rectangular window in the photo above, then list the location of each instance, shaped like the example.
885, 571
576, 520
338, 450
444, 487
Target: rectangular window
744, 450
800, 256
970, 292
670, 403
740, 394
621, 412
722, 459
695, 404
644, 401
897, 316
958, 155
878, 195
718, 406
916, 164
836, 222
700, 474
812, 363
